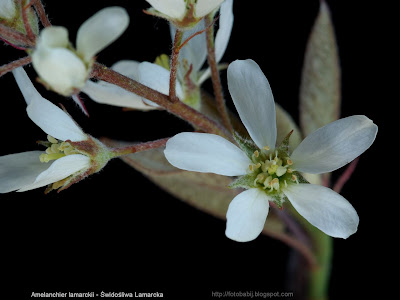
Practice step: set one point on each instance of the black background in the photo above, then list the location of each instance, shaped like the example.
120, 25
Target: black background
116, 231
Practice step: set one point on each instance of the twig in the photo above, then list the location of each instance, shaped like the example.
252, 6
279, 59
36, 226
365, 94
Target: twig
9, 34
345, 176
138, 147
24, 14
174, 65
41, 13
15, 64
183, 111
216, 80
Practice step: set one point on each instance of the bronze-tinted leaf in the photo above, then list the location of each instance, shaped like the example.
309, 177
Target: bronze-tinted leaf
320, 83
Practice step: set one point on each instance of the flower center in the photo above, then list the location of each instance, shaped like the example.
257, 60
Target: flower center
56, 149
271, 170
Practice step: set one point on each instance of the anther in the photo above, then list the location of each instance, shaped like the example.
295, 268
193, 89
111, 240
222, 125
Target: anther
266, 148
289, 161
51, 139
256, 153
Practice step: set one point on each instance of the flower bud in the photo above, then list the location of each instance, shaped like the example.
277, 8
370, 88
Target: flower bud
184, 14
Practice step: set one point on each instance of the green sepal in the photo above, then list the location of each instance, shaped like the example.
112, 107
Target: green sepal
283, 149
247, 146
245, 181
300, 177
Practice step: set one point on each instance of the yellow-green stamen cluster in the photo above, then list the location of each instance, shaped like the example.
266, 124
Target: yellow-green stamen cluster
57, 150
271, 170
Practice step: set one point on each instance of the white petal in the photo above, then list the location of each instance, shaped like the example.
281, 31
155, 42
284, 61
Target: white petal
100, 30
25, 85
246, 215
324, 208
334, 145
225, 29
253, 100
128, 68
204, 7
54, 121
20, 169
53, 37
7, 9
60, 68
157, 78
60, 169
173, 8
207, 153
106, 93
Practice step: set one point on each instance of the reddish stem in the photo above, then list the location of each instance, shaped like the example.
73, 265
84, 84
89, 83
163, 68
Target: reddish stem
28, 29
174, 66
138, 147
345, 176
15, 64
41, 13
216, 80
9, 34
183, 111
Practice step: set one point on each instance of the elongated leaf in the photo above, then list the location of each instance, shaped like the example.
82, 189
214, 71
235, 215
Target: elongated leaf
320, 85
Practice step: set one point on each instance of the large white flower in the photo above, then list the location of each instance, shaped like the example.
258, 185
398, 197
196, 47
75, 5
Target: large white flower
270, 172
62, 163
65, 69
179, 10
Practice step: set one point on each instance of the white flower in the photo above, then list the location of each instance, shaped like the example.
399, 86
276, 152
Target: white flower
7, 9
65, 69
62, 164
192, 57
271, 173
178, 10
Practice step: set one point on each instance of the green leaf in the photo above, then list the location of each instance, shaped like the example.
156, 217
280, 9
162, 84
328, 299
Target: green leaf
320, 83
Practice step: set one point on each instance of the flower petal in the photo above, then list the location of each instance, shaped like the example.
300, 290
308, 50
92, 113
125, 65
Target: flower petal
25, 85
54, 121
106, 93
53, 37
128, 68
7, 9
60, 68
225, 29
173, 8
207, 153
157, 78
204, 7
334, 145
100, 30
324, 208
253, 100
20, 169
59, 169
246, 215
